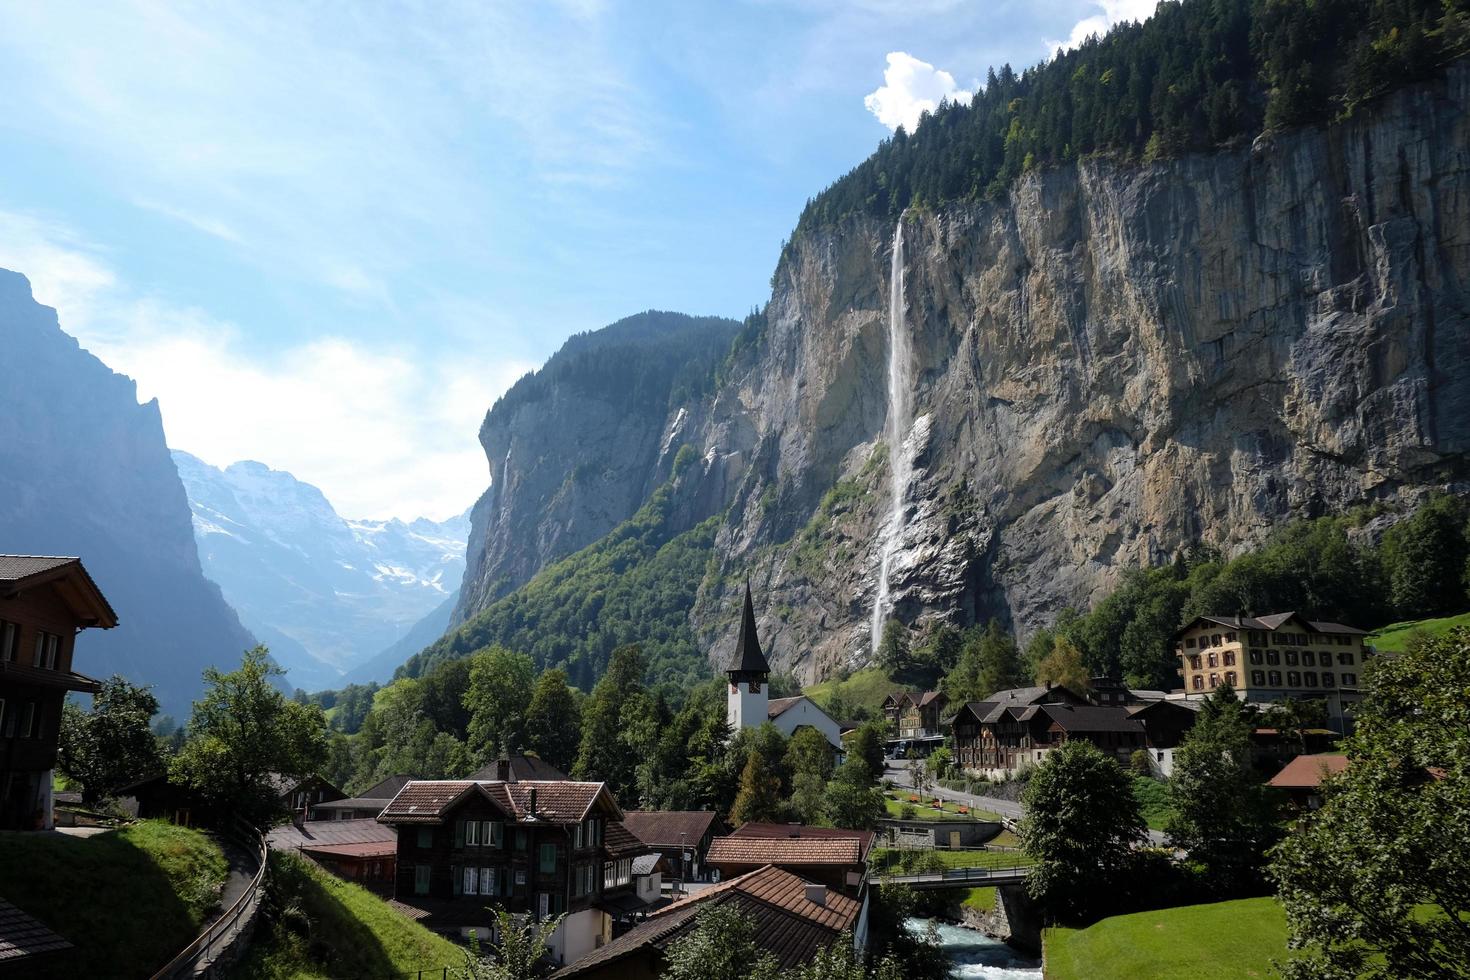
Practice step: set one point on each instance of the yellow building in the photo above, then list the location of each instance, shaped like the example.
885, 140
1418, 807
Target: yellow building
1271, 658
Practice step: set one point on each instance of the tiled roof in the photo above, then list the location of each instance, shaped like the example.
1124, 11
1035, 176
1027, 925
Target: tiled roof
321, 833
930, 697
778, 707
662, 828
619, 841
1274, 622
557, 801
363, 850
1089, 718
1308, 771
19, 571
787, 923
425, 800
785, 851
22, 936
1019, 695
646, 864
13, 568
353, 803
796, 831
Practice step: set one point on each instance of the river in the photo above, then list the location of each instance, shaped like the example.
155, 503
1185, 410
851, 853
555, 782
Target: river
976, 955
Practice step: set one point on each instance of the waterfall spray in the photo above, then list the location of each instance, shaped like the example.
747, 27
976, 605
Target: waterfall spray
900, 450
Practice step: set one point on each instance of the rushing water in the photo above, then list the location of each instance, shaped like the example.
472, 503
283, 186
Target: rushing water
900, 407
975, 954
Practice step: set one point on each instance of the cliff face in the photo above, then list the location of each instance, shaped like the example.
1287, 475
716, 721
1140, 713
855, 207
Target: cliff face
84, 471
1110, 363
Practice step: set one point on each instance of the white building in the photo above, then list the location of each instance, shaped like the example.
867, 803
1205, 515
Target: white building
747, 703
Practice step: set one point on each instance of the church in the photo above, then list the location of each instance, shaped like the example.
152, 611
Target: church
747, 703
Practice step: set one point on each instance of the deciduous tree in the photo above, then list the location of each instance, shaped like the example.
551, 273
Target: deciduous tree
500, 687
722, 946
112, 745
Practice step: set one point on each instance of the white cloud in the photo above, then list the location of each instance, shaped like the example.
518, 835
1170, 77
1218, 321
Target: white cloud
383, 432
910, 88
1113, 12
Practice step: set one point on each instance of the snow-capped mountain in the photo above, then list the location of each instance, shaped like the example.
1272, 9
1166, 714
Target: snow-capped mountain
325, 593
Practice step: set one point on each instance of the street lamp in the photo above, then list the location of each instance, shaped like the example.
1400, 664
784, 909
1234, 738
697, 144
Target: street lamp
683, 856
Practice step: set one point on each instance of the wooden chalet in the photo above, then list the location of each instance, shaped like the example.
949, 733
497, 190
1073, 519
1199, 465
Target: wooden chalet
1301, 780
44, 604
359, 849
794, 919
543, 848
1017, 728
365, 806
836, 858
682, 836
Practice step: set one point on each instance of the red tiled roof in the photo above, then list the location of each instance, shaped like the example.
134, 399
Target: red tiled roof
787, 923
619, 841
22, 936
662, 828
796, 831
1308, 771
558, 801
784, 851
425, 800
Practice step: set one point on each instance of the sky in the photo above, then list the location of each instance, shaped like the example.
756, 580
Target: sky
327, 236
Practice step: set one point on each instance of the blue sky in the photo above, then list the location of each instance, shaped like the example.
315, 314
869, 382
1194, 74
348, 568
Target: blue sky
327, 235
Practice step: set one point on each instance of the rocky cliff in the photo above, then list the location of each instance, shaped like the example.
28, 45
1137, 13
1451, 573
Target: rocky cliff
1109, 363
84, 471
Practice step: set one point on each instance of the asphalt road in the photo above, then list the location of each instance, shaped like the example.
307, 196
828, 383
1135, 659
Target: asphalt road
898, 771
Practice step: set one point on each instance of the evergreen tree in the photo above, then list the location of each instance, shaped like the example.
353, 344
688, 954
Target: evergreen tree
759, 799
854, 799
604, 755
554, 720
1222, 816
1425, 556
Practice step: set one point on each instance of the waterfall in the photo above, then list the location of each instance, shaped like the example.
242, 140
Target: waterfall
900, 447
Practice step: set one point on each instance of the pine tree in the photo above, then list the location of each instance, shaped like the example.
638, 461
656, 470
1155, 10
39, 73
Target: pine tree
759, 798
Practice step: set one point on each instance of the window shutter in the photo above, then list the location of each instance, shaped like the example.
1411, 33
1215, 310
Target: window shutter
459, 833
458, 881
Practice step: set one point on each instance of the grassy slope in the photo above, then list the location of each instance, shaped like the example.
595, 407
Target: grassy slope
128, 900
353, 933
1396, 635
888, 860
895, 801
867, 688
1153, 801
1202, 942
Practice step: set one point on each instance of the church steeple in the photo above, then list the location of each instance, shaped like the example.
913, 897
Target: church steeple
746, 703
748, 659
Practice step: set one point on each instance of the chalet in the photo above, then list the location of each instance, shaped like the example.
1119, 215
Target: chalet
1272, 658
977, 742
794, 919
681, 836
1303, 776
748, 704
365, 806
1164, 724
44, 604
300, 796
919, 715
891, 707
543, 848
358, 849
995, 739
836, 858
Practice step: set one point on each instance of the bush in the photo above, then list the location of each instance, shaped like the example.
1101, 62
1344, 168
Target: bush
907, 812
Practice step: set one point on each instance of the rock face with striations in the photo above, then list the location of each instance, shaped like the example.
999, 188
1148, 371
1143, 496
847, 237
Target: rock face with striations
84, 471
1111, 363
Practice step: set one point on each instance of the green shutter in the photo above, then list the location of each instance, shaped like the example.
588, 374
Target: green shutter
459, 833
458, 876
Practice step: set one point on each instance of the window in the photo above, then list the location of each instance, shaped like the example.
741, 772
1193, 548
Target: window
609, 876
471, 882
1194, 662
1349, 680
1309, 659
492, 833
426, 837
1310, 677
579, 836
1199, 683
520, 876
9, 641
1275, 676
28, 721
547, 864
1229, 658
1258, 677
1189, 643
1328, 680
1230, 677
520, 840
1215, 640
1293, 678
7, 723
1292, 658
1344, 659
1214, 660
472, 833
487, 881
543, 905
46, 646
1230, 637
421, 879
1256, 657
1214, 681
1273, 657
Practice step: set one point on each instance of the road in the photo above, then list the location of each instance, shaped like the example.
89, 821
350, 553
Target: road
898, 771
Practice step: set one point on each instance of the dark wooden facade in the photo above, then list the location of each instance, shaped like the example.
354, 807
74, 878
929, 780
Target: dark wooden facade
44, 603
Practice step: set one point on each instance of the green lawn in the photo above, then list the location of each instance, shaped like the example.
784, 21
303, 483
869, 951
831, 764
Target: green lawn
1153, 801
866, 688
1395, 636
128, 899
352, 932
922, 811
980, 899
884, 859
1201, 942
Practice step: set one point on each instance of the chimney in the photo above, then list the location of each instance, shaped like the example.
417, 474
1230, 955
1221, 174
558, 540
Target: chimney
532, 813
816, 894
502, 769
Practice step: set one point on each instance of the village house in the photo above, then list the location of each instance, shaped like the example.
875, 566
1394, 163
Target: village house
976, 745
301, 796
1301, 780
747, 702
45, 603
681, 836
544, 848
919, 714
794, 919
1272, 658
996, 738
836, 858
359, 849
1164, 724
365, 806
